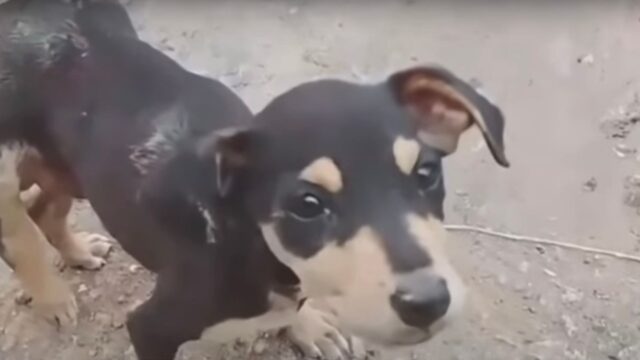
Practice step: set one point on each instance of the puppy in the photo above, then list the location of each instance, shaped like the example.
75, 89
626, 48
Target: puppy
346, 184
323, 213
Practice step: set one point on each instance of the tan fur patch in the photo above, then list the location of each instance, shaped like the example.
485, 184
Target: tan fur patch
355, 279
323, 172
405, 153
27, 249
282, 313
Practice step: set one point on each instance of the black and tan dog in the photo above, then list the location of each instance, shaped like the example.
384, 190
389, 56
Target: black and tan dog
322, 213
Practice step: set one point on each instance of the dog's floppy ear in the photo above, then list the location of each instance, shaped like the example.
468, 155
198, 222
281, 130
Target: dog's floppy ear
445, 106
230, 151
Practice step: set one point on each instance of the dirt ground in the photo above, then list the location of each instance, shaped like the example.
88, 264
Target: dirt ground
568, 79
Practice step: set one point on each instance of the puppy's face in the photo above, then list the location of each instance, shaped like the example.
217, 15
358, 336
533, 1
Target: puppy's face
346, 183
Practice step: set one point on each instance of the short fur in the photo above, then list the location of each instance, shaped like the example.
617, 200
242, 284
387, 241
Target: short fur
221, 207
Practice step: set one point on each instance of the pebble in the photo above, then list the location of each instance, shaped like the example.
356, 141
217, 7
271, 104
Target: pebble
94, 294
134, 268
634, 180
569, 326
571, 296
590, 185
82, 288
502, 279
259, 346
103, 319
587, 59
599, 326
632, 199
549, 272
522, 287
624, 150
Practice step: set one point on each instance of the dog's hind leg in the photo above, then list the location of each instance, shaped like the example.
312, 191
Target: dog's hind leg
24, 247
176, 313
83, 250
50, 208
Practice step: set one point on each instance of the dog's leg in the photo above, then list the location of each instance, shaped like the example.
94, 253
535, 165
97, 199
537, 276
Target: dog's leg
49, 202
175, 313
83, 250
25, 248
316, 334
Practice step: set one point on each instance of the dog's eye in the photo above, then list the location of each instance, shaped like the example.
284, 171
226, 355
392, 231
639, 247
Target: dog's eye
428, 176
306, 207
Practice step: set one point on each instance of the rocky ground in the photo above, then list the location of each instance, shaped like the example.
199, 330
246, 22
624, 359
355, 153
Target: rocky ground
568, 79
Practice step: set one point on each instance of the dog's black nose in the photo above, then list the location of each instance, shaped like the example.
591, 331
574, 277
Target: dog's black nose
421, 299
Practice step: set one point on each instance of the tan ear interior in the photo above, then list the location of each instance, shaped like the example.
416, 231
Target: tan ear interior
445, 113
448, 112
453, 101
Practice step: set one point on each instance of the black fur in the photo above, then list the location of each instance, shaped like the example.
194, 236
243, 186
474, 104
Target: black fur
90, 105
149, 144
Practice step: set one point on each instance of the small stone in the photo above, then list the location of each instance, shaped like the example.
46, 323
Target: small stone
634, 180
82, 288
590, 185
624, 150
541, 250
118, 323
599, 326
502, 279
103, 319
134, 268
549, 272
600, 295
587, 59
542, 301
93, 352
569, 326
520, 287
94, 294
632, 199
571, 296
259, 346
121, 299
460, 192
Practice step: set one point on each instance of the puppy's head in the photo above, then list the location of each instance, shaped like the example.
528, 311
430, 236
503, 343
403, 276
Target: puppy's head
346, 183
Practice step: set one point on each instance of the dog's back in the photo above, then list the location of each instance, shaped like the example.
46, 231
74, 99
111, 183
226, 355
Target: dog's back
36, 35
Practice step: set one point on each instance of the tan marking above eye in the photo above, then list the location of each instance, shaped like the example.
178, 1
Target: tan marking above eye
406, 153
325, 173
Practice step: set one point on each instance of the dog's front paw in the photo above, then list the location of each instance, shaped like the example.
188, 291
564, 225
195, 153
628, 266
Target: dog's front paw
55, 302
315, 333
86, 251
